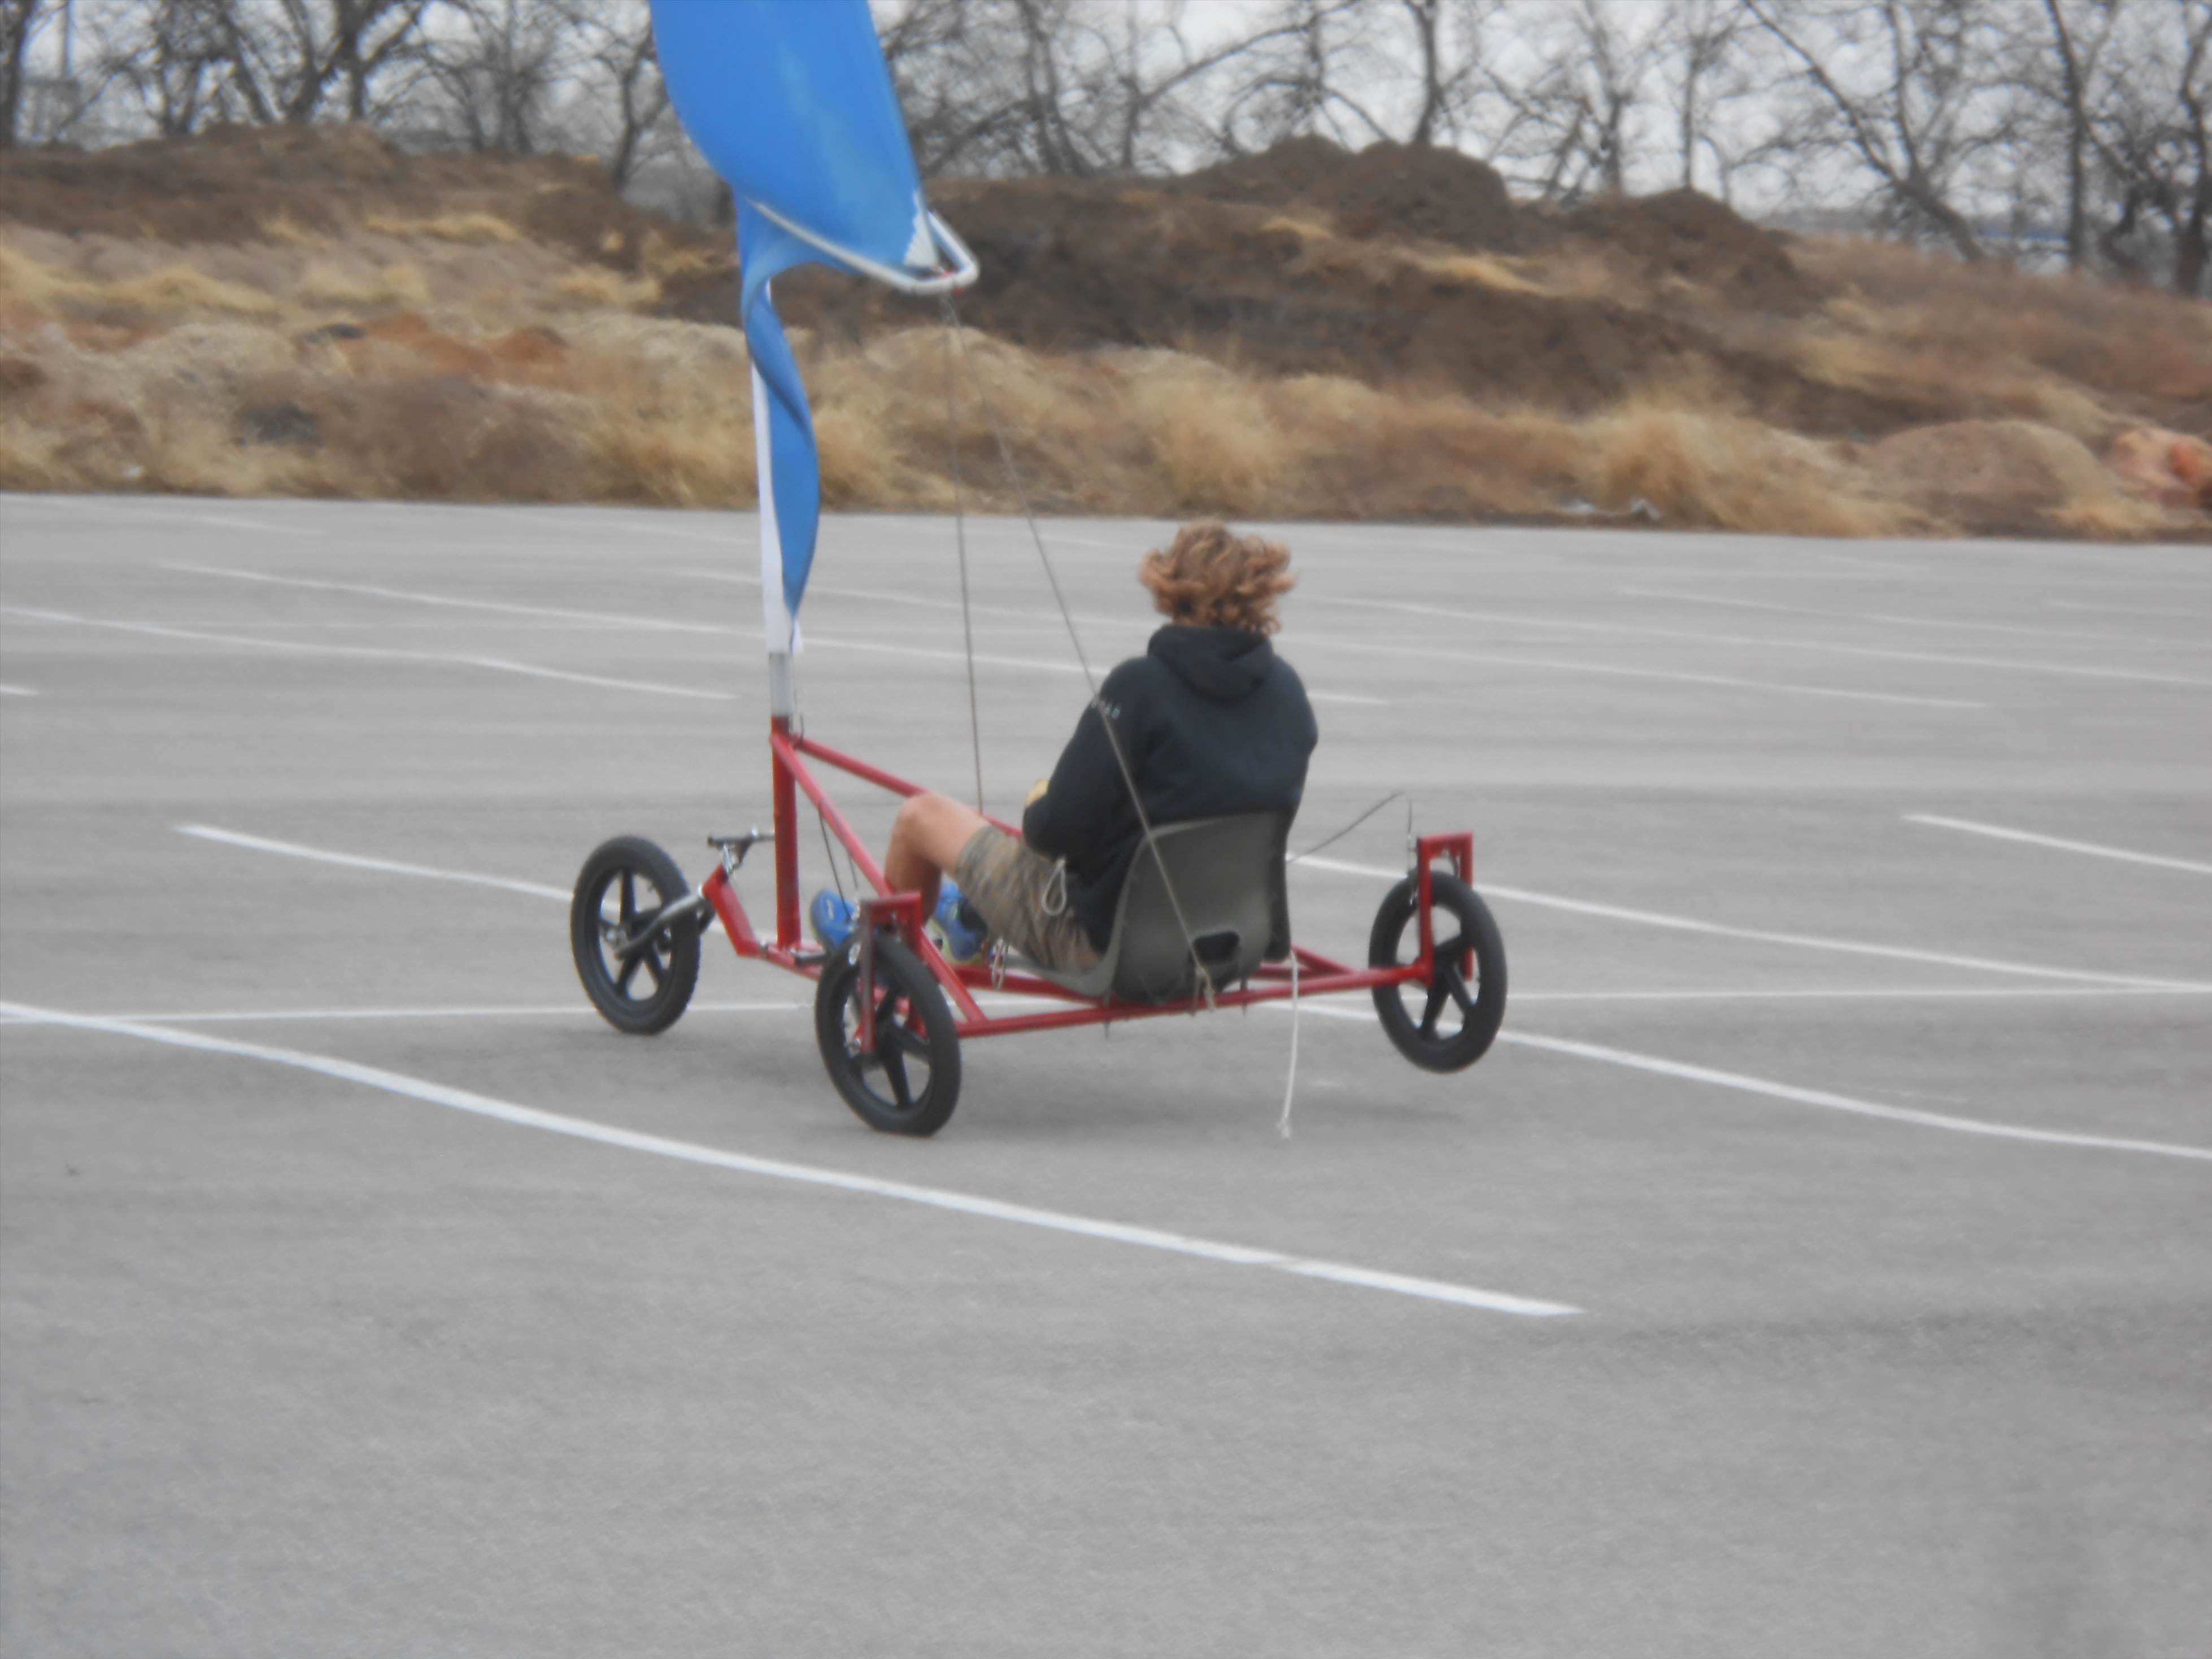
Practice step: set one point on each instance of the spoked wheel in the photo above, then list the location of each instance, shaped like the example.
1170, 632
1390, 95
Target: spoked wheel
1450, 1023
910, 1083
639, 976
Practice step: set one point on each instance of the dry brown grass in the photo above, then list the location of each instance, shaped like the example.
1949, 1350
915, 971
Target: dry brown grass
445, 227
394, 285
2089, 357
593, 289
488, 367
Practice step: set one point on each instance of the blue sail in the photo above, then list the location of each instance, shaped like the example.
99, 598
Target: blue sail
792, 103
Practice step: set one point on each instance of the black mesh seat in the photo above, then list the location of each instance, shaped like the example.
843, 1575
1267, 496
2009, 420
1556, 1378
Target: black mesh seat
1227, 874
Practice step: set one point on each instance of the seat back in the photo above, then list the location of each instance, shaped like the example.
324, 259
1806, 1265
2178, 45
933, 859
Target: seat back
1227, 875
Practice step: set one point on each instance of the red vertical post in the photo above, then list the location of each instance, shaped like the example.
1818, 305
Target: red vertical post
786, 844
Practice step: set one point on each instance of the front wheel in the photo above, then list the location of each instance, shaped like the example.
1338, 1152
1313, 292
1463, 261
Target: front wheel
639, 975
1449, 1023
911, 1081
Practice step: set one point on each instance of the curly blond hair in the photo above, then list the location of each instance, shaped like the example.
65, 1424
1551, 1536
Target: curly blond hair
1214, 578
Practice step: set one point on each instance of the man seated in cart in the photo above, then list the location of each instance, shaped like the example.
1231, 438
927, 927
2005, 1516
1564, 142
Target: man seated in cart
1209, 722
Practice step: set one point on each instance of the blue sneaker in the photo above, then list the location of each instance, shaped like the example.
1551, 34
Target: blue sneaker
962, 934
830, 916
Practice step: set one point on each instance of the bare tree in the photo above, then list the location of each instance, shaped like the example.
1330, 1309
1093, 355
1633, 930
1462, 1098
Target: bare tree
622, 87
2153, 138
19, 20
2060, 50
1700, 53
1304, 75
342, 43
497, 67
1567, 128
1898, 88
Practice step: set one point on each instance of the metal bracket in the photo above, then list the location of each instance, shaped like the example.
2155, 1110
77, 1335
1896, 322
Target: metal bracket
899, 913
733, 848
1457, 850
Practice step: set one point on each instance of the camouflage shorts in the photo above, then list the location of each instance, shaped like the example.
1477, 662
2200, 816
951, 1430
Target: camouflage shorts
1006, 882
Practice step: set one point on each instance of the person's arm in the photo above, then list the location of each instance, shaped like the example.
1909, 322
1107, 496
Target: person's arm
1087, 784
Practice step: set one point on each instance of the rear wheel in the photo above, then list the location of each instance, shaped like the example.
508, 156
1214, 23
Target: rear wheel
1449, 1022
638, 976
911, 1082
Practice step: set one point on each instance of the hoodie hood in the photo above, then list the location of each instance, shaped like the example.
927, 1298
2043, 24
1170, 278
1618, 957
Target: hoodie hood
1226, 665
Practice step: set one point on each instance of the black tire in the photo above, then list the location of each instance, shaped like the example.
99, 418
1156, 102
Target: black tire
639, 977
1464, 926
913, 1024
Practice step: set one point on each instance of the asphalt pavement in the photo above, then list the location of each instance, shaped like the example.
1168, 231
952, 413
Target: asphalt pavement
1820, 1265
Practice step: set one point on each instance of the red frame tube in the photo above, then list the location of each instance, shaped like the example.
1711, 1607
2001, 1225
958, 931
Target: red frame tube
1317, 975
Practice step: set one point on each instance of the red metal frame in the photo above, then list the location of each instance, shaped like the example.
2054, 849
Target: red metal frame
1316, 974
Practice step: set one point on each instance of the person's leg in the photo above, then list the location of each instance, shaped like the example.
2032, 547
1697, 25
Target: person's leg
927, 839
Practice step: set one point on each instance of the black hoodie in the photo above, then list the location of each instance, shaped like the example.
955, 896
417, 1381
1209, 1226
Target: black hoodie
1211, 723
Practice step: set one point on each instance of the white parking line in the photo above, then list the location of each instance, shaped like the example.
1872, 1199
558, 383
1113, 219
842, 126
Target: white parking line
1766, 936
2072, 976
163, 514
1610, 671
366, 652
2076, 671
1822, 1098
1869, 993
16, 691
354, 862
498, 607
2125, 610
2069, 636
915, 653
1835, 1103
1997, 832
580, 1010
607, 1134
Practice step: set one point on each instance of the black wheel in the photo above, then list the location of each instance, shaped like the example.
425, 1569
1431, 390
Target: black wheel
638, 976
910, 1083
1449, 1023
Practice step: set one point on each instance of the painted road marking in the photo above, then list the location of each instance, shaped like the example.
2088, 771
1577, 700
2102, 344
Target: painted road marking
171, 515
2125, 610
2071, 635
1822, 1098
16, 691
1302, 640
1835, 1103
1611, 671
663, 624
607, 1134
386, 866
1337, 866
502, 607
320, 1016
1766, 936
2076, 671
365, 653
580, 1010
1998, 832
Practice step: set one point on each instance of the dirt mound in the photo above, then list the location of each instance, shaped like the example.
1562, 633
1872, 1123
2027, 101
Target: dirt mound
1412, 193
1073, 266
232, 184
1290, 172
1691, 238
2002, 475
2170, 468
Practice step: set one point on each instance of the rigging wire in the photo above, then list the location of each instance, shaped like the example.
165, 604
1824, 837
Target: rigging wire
1331, 841
1060, 598
960, 537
